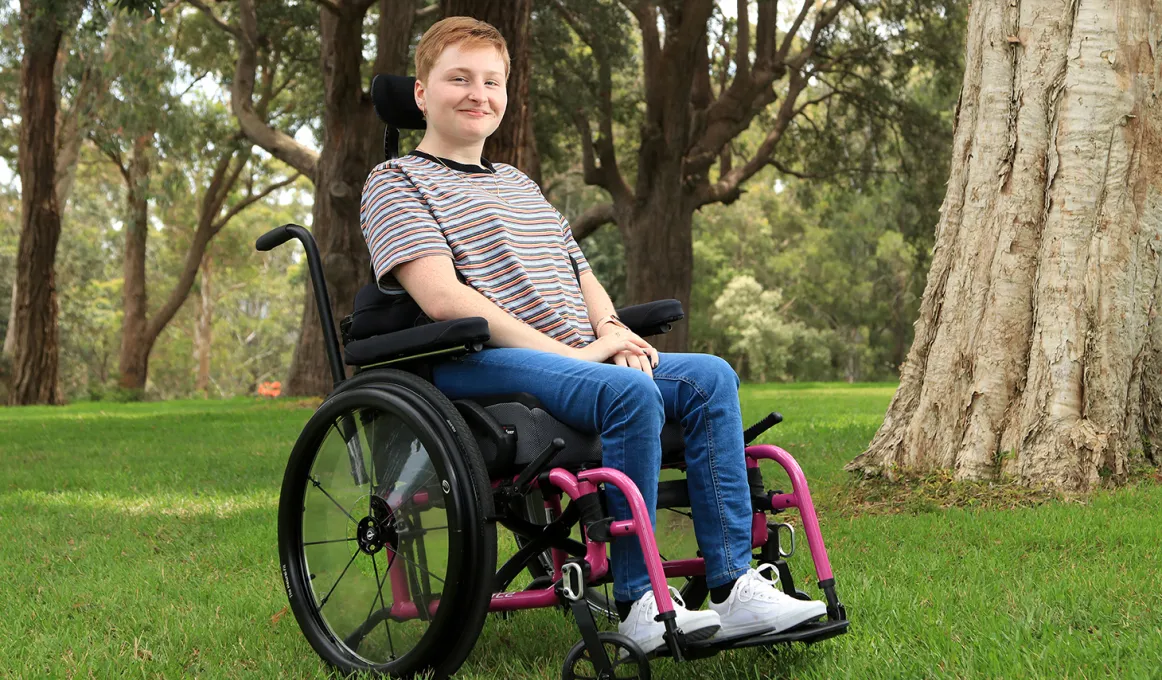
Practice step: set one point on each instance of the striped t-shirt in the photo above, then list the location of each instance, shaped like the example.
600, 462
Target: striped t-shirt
504, 238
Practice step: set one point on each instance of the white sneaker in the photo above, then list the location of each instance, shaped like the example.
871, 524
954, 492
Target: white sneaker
756, 606
649, 634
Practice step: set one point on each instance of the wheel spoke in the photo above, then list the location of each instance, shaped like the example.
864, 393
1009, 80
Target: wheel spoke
341, 575
333, 540
337, 505
382, 604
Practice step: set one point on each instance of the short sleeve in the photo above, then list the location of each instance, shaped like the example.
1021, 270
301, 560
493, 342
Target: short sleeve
397, 225
573, 248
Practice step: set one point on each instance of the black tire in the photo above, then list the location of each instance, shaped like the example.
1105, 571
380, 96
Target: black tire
423, 513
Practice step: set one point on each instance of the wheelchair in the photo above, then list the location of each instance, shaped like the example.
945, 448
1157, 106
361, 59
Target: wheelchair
392, 495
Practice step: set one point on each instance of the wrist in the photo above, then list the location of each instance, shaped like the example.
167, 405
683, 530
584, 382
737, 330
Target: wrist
606, 321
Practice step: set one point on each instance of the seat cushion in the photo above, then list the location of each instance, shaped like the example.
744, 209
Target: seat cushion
535, 428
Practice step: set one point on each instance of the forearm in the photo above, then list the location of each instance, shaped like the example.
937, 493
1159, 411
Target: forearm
597, 302
506, 330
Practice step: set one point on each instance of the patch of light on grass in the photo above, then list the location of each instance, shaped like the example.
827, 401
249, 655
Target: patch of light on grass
173, 505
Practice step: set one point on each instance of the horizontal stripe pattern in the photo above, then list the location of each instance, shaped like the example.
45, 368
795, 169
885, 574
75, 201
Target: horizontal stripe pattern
517, 250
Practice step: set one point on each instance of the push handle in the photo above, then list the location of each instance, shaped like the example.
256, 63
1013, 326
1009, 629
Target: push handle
752, 433
274, 238
280, 235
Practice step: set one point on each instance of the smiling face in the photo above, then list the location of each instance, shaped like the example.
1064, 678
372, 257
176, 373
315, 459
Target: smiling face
464, 94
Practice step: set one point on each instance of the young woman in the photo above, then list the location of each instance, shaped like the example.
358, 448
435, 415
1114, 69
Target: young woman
444, 210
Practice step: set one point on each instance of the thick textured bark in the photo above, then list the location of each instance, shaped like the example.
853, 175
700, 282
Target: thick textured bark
1038, 352
659, 250
33, 330
512, 142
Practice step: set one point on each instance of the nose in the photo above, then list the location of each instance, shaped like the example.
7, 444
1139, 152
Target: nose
477, 95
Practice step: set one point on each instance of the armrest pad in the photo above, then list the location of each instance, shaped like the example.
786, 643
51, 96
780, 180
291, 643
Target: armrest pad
651, 318
432, 337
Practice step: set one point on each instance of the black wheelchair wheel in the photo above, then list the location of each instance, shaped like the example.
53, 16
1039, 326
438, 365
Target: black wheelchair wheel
385, 535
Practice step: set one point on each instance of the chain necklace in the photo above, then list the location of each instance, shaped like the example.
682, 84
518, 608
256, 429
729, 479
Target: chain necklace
495, 181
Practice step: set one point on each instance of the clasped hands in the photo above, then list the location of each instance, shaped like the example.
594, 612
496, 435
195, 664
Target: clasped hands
643, 357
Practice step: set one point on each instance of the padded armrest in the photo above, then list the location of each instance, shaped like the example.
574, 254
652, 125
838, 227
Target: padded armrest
651, 318
433, 337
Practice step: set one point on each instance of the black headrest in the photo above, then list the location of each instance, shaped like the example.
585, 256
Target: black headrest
395, 101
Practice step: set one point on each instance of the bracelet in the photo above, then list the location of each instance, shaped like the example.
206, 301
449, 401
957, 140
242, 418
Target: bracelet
611, 318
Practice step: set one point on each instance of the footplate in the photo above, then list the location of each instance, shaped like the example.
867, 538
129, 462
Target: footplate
806, 633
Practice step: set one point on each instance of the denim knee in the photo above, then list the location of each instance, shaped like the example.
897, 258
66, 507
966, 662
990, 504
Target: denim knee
641, 400
721, 373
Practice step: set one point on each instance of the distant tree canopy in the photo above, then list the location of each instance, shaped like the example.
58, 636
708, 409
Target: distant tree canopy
780, 175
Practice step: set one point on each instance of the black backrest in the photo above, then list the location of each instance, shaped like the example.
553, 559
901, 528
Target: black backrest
395, 104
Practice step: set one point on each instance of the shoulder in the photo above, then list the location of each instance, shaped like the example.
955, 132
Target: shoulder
405, 172
513, 174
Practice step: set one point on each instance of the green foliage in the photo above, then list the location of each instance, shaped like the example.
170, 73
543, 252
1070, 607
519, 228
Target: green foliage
755, 323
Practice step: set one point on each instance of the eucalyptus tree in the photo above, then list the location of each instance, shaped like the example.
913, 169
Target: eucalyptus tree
168, 145
1038, 352
32, 339
296, 66
702, 82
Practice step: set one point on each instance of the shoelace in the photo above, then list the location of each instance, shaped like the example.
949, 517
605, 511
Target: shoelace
653, 603
749, 584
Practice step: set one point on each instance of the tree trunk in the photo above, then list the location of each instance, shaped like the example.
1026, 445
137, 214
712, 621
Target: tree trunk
512, 141
133, 362
659, 252
33, 333
351, 147
69, 135
203, 328
1038, 352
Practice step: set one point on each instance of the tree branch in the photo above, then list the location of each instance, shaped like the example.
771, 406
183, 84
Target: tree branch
608, 176
254, 198
785, 48
232, 30
742, 42
588, 222
726, 189
279, 144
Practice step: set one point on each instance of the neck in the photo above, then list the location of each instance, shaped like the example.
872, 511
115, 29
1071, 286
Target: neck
469, 154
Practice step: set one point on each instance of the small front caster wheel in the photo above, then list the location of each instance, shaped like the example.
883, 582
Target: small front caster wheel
623, 660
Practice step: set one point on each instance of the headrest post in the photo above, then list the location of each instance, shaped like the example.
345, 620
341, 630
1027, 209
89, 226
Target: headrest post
390, 143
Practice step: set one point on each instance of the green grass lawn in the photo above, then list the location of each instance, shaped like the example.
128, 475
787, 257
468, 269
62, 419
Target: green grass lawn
139, 540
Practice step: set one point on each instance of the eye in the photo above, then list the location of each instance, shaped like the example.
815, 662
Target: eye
493, 82
460, 78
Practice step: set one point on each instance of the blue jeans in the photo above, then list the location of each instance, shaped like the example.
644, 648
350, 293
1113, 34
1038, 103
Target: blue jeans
628, 409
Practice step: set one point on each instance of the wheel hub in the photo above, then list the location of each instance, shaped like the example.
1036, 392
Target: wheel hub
377, 530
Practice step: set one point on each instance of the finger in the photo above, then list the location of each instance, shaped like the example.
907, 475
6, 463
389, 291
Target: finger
619, 359
654, 358
644, 364
631, 347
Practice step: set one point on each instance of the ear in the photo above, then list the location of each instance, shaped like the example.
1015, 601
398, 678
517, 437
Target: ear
419, 93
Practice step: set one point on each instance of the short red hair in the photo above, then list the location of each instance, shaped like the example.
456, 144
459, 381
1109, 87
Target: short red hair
464, 31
